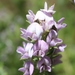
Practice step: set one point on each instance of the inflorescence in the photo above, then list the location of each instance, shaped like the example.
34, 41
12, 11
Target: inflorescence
42, 45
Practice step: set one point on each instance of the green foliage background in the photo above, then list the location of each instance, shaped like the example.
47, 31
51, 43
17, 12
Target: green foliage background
13, 16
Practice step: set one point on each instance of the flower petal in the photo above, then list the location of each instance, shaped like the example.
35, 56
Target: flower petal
31, 69
61, 26
45, 6
28, 47
56, 60
61, 20
20, 50
43, 45
48, 68
35, 28
30, 16
25, 56
55, 42
40, 62
51, 7
61, 47
21, 69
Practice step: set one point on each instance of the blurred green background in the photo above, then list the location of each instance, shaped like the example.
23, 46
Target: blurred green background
13, 16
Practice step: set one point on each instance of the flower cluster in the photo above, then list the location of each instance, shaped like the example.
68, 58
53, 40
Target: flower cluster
42, 44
